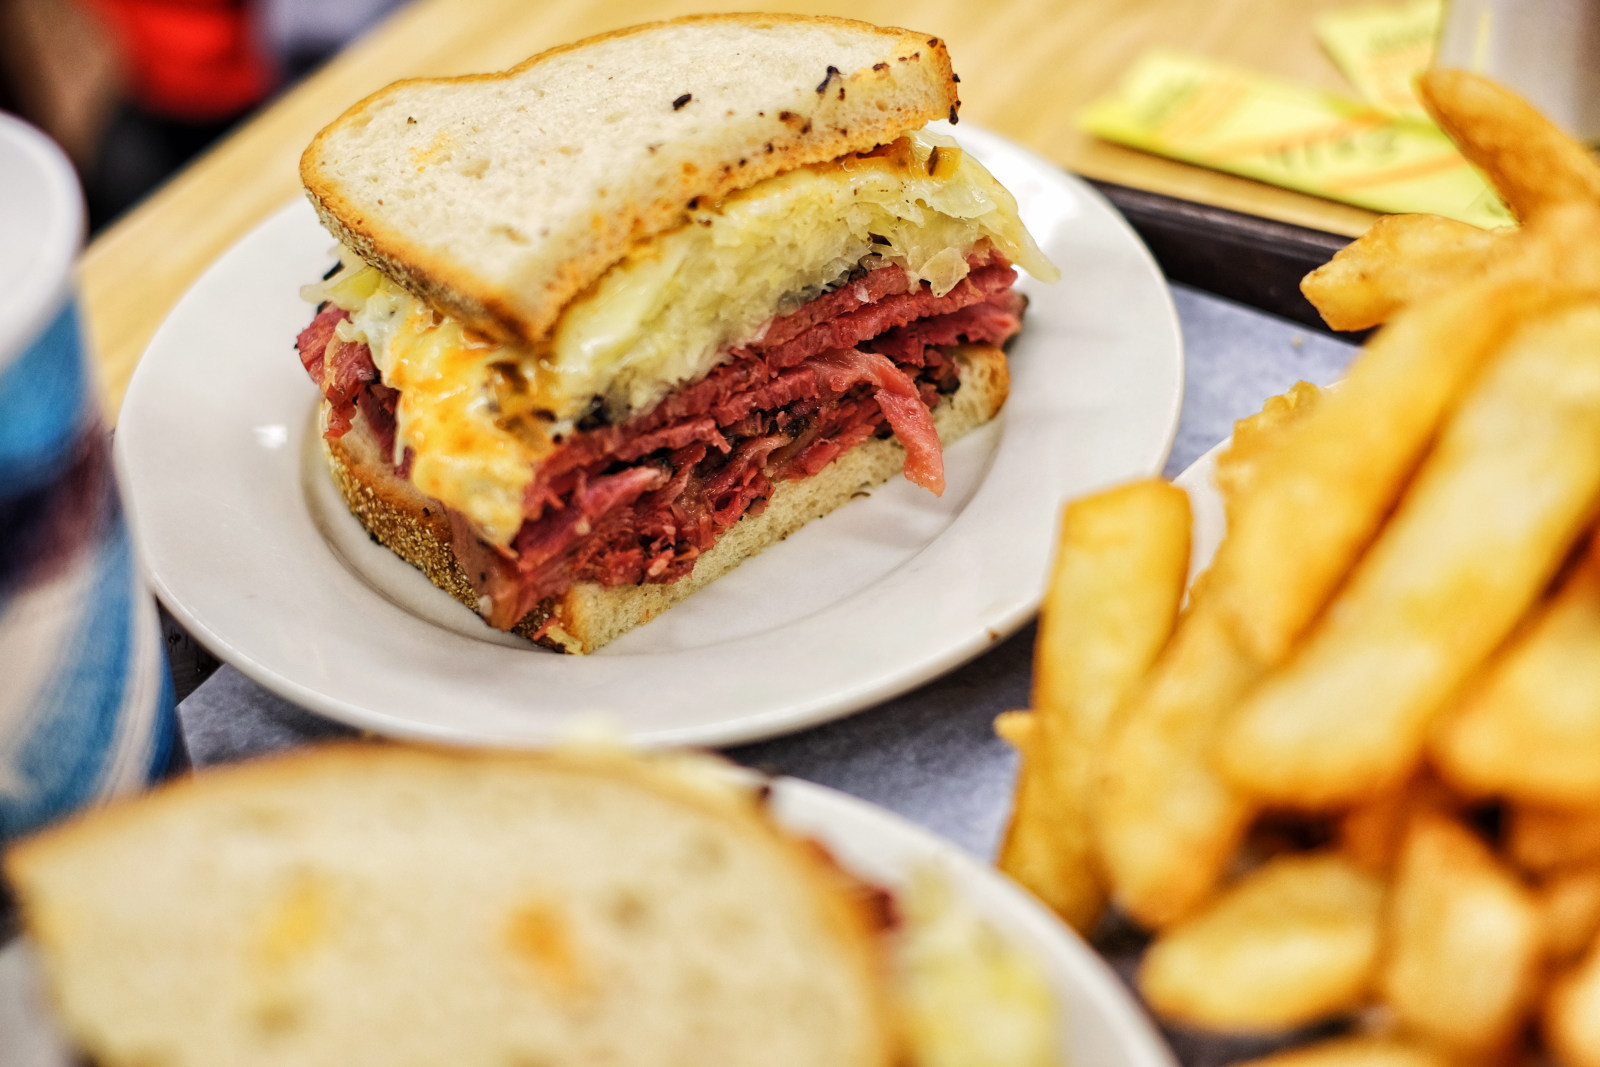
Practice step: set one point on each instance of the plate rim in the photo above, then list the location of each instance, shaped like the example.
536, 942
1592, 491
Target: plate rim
840, 701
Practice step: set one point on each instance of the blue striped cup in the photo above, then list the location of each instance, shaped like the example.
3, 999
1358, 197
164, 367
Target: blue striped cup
86, 708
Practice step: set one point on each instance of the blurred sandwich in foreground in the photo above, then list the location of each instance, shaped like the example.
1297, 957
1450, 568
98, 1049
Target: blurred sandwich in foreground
381, 905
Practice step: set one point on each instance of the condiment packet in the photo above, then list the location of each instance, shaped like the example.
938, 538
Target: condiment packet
1233, 120
1382, 49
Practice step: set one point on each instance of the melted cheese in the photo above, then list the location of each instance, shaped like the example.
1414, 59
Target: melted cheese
446, 417
478, 415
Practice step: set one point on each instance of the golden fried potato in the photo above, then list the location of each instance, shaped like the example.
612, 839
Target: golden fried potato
1016, 728
1371, 833
1357, 1052
1400, 260
1556, 249
1257, 436
1032, 852
1571, 1017
1293, 942
1529, 726
1463, 941
1448, 579
1121, 563
1407, 259
1569, 902
1525, 156
1541, 840
1319, 499
1047, 847
1165, 822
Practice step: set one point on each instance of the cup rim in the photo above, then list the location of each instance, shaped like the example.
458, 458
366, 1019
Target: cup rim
28, 306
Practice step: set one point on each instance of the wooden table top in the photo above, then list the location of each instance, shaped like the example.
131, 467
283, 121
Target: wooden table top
1027, 66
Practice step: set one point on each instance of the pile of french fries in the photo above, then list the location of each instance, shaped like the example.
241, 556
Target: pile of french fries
1353, 772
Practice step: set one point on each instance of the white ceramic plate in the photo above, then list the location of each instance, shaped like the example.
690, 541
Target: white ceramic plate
1099, 1022
250, 547
1205, 502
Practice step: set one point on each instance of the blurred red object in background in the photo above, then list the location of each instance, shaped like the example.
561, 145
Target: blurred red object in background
133, 89
193, 60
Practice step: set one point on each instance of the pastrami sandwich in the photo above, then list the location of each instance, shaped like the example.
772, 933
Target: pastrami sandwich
612, 321
379, 905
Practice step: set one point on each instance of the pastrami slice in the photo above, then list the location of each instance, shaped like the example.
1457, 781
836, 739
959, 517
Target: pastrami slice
641, 501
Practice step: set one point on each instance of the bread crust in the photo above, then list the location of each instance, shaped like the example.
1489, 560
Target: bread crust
912, 84
589, 615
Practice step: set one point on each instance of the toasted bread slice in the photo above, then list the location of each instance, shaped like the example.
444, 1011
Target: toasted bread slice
499, 197
388, 906
589, 615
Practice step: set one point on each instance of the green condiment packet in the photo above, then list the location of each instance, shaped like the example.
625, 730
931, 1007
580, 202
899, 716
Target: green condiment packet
1382, 49
1258, 127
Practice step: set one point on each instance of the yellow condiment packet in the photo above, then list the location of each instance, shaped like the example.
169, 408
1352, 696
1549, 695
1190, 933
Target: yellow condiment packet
1221, 117
1381, 49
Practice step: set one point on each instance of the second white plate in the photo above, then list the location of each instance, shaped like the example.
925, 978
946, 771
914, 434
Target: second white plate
249, 546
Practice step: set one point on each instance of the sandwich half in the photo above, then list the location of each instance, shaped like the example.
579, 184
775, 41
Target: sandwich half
373, 904
610, 322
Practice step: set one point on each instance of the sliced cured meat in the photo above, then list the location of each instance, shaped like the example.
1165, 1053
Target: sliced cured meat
640, 501
900, 403
342, 369
999, 316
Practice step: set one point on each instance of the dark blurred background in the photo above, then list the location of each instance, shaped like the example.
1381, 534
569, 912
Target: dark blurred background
133, 89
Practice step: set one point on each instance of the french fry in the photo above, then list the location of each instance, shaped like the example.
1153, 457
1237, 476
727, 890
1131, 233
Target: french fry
1556, 249
1165, 822
1463, 942
1121, 562
1569, 903
1357, 1052
1293, 942
1165, 825
1258, 436
1391, 266
1400, 260
1122, 559
1339, 471
1571, 1022
1371, 832
1525, 156
1529, 726
1047, 847
1016, 728
1542, 840
1447, 581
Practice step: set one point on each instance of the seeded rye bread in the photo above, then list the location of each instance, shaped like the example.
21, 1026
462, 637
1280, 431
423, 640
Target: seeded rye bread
589, 615
378, 905
557, 167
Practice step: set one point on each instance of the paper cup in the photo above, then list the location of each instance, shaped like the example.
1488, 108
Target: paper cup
86, 708
1547, 51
